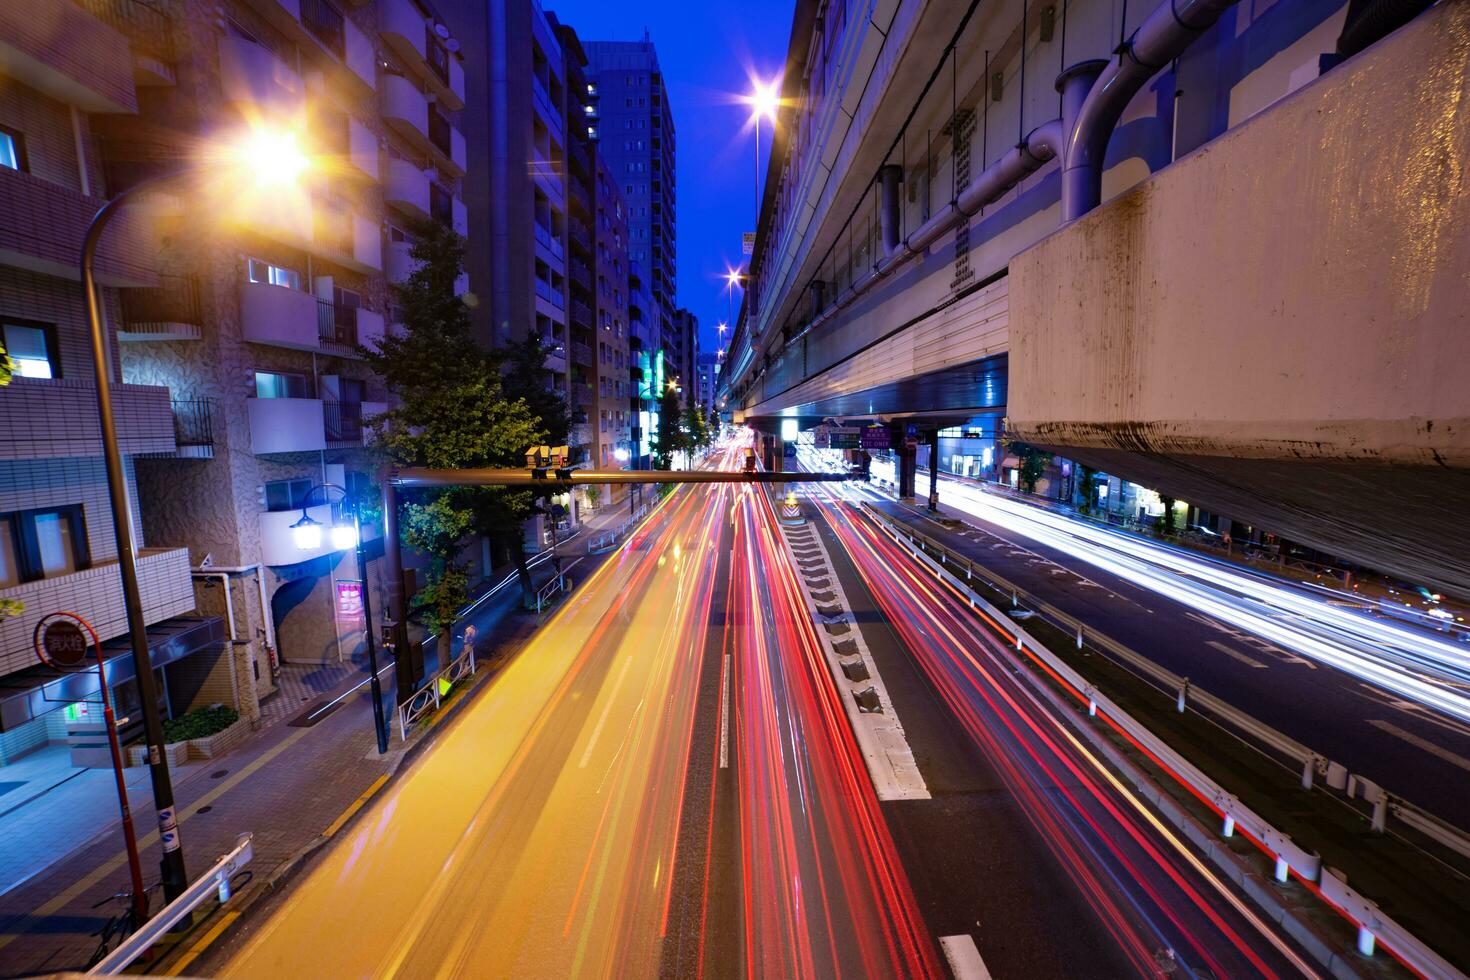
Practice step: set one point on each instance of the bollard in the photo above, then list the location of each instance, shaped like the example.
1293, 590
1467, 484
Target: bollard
1229, 830
1309, 769
1079, 637
1365, 941
1283, 870
1380, 811
1183, 690
1091, 708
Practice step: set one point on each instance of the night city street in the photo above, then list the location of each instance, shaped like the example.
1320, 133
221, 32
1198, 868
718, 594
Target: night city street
811, 489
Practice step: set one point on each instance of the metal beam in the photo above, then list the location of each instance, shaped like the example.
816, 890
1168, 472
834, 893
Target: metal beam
567, 478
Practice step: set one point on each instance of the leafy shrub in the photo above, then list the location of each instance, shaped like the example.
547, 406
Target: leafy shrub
199, 724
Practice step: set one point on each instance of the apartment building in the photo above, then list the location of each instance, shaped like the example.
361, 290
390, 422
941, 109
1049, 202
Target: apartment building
683, 347
706, 372
238, 316
580, 114
637, 129
616, 278
57, 547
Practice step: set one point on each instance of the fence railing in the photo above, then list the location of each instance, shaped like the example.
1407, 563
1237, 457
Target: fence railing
146, 25
429, 697
194, 422
1289, 856
336, 324
342, 421
174, 300
215, 881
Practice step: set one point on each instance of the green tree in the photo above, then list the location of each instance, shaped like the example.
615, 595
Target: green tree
525, 378
1087, 486
1033, 463
670, 438
450, 411
696, 430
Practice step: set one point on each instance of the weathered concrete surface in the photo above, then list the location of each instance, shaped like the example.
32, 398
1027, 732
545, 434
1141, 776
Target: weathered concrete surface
1275, 327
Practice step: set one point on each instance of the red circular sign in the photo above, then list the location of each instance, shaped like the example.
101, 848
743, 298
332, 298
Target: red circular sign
61, 642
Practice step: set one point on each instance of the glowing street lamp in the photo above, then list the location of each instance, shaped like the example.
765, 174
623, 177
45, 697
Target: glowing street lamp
764, 99
263, 160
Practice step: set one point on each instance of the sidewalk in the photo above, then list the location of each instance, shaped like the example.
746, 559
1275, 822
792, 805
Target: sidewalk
292, 785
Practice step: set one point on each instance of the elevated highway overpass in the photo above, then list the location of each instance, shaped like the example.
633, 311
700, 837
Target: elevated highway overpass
1264, 317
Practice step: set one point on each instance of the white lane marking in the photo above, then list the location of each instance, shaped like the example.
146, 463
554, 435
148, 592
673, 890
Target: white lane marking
964, 957
725, 715
1422, 743
602, 719
1232, 652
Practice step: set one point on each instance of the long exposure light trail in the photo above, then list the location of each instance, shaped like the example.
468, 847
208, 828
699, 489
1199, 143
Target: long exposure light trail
1407, 662
1165, 910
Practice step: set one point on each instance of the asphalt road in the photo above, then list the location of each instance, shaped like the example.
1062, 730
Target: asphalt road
1415, 751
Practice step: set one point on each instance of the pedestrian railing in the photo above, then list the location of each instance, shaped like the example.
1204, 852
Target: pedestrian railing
215, 881
1289, 856
429, 697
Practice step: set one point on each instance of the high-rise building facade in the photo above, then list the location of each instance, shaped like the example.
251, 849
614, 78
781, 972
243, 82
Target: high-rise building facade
614, 448
236, 310
637, 140
706, 370
683, 349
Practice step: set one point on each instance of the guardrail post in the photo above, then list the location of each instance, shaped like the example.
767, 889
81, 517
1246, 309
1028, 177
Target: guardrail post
1079, 636
1283, 870
1309, 770
1229, 828
1366, 941
1183, 691
1380, 810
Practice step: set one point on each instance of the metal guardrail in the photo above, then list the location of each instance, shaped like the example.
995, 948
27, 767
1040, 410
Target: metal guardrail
431, 695
1288, 855
214, 881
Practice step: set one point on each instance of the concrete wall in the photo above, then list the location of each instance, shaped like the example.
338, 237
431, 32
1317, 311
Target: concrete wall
1273, 327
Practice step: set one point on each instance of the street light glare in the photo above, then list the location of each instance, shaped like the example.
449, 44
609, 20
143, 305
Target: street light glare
764, 100
271, 157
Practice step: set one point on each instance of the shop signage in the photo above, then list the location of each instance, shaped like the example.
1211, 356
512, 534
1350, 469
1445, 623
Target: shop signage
349, 599
63, 644
845, 437
877, 437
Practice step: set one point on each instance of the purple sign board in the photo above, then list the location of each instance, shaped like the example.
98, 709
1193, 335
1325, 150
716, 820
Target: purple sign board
877, 437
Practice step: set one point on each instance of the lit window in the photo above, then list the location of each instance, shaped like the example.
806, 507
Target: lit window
32, 349
271, 384
274, 275
12, 149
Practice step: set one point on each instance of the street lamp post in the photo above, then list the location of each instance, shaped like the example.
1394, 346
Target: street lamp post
308, 536
282, 160
175, 878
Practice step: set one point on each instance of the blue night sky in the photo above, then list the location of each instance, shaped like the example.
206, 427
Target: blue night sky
708, 52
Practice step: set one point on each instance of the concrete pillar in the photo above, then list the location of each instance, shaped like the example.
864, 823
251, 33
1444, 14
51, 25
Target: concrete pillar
890, 178
768, 456
934, 470
907, 470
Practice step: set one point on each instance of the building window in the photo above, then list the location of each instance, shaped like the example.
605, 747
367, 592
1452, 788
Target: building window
32, 348
37, 544
273, 384
283, 495
12, 149
325, 24
265, 273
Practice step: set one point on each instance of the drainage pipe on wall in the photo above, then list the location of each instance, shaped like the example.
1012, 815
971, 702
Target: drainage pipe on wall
223, 572
1163, 36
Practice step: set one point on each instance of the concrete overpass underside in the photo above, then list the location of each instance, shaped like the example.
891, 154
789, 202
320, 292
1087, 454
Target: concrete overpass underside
1276, 326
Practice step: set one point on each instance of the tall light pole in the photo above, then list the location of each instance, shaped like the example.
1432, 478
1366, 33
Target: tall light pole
271, 159
764, 100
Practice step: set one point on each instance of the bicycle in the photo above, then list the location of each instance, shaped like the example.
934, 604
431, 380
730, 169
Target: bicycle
119, 926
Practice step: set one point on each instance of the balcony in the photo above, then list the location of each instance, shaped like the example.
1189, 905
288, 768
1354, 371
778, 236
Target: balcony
406, 188
581, 197
341, 328
348, 239
47, 419
254, 78
318, 24
358, 148
42, 226
447, 143
581, 314
551, 295
342, 422
547, 241
581, 354
296, 320
635, 275
399, 264
169, 311
581, 272
286, 425
64, 52
556, 355
581, 237
96, 594
149, 30
581, 397
409, 36
406, 110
